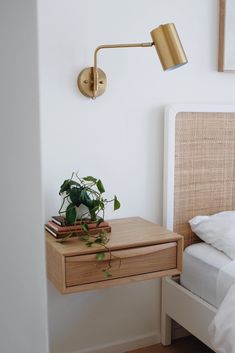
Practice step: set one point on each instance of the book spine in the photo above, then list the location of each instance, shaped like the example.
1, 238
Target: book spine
48, 229
59, 235
75, 232
58, 228
61, 221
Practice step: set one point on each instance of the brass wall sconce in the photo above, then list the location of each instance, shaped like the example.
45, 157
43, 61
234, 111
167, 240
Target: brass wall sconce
92, 80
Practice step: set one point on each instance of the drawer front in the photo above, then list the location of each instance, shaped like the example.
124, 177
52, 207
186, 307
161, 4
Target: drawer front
85, 269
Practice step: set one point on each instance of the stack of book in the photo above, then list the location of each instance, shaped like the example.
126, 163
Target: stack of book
58, 228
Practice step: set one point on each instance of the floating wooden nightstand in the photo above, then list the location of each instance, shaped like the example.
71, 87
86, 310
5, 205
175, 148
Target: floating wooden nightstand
146, 251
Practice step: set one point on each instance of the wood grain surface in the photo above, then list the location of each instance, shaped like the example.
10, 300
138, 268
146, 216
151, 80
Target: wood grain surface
85, 269
146, 250
126, 233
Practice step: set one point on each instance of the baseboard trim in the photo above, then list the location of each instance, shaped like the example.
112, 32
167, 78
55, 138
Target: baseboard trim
125, 345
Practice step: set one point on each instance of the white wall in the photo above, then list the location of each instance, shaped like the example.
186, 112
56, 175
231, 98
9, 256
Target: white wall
119, 136
23, 314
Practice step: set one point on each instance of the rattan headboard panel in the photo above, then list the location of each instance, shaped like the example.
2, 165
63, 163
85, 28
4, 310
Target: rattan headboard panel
204, 178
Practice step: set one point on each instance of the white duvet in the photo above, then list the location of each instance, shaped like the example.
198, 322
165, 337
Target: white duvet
222, 328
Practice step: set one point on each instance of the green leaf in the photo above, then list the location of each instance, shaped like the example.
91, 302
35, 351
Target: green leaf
75, 196
62, 240
95, 202
85, 198
71, 214
74, 183
107, 273
100, 186
66, 186
95, 209
89, 244
90, 178
93, 215
85, 227
100, 256
98, 241
117, 204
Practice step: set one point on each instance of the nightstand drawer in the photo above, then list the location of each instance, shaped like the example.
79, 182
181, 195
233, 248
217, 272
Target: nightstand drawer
84, 269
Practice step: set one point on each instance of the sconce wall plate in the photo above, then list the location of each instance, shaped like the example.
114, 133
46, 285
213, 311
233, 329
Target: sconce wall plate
92, 81
85, 82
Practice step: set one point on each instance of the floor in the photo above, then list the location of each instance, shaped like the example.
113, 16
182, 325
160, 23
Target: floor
183, 345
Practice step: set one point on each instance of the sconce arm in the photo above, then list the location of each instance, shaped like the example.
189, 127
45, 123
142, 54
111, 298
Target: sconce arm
92, 80
113, 46
116, 46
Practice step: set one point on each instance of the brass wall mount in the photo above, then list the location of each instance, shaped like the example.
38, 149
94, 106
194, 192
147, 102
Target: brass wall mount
85, 82
92, 81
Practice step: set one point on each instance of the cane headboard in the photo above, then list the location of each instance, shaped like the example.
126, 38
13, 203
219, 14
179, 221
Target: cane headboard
199, 171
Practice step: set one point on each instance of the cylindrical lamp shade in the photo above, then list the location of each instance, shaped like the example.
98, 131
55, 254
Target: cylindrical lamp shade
168, 46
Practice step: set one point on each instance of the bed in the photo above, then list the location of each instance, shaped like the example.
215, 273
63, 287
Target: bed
199, 179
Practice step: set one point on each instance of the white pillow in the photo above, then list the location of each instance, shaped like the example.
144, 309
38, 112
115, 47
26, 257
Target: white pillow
217, 230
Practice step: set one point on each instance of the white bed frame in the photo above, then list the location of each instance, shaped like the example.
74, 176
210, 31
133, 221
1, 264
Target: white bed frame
179, 304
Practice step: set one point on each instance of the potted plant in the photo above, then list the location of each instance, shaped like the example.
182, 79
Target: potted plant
87, 194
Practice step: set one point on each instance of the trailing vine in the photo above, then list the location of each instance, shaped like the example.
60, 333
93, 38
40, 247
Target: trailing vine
78, 192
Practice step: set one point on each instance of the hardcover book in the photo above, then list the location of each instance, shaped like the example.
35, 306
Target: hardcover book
77, 226
62, 231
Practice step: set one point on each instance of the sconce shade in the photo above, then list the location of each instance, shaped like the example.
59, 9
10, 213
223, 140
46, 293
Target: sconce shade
168, 46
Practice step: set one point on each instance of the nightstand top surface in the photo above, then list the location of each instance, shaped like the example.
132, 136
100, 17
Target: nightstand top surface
126, 233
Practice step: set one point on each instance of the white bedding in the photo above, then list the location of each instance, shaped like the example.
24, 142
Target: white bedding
222, 328
201, 269
210, 274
